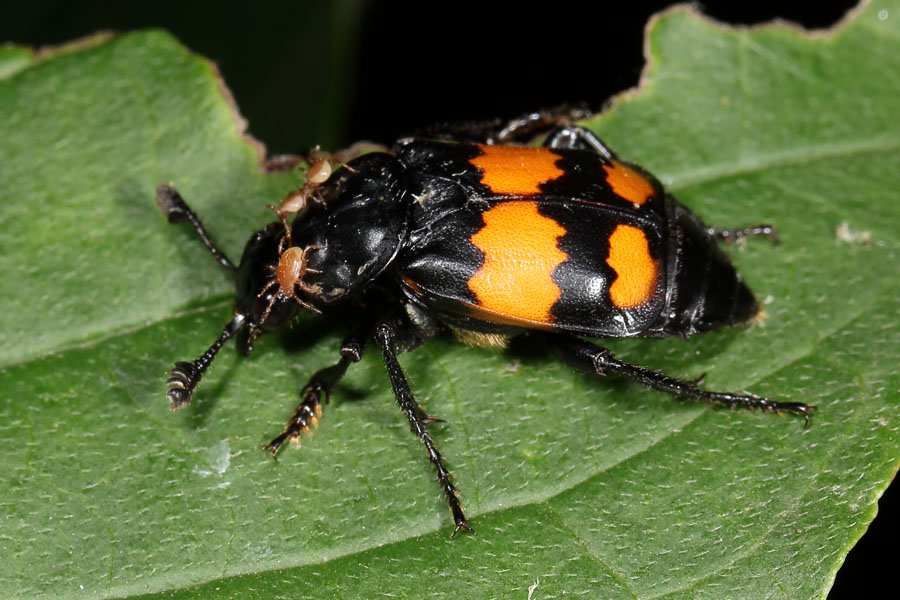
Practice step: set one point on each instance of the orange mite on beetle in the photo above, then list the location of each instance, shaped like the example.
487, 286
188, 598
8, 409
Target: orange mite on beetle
461, 228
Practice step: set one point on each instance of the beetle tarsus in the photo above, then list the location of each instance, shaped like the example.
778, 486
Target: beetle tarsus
749, 401
306, 415
461, 524
184, 378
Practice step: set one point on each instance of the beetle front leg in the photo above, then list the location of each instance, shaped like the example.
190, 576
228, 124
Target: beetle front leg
385, 335
186, 375
319, 388
589, 358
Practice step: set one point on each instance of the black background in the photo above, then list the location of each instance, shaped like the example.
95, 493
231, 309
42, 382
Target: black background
308, 73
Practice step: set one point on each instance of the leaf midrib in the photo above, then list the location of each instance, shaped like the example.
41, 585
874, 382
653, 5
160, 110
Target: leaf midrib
772, 159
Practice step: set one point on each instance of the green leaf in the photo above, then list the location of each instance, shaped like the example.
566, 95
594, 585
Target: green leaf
12, 60
576, 485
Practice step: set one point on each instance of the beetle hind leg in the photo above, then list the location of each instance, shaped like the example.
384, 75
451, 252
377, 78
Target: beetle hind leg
730, 236
573, 136
589, 358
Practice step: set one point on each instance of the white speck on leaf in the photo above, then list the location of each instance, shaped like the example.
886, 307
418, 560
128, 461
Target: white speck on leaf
218, 458
533, 587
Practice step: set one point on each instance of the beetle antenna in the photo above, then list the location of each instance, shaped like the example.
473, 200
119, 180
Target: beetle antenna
176, 210
185, 376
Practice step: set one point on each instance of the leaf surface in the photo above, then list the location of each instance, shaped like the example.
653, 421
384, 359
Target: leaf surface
576, 486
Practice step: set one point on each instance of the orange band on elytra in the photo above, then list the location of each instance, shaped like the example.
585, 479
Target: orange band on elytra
516, 170
520, 253
628, 183
629, 256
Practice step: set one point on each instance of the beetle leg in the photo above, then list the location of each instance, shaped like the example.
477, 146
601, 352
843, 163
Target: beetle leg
310, 408
536, 123
385, 334
520, 130
479, 131
737, 235
176, 210
319, 388
186, 375
589, 358
570, 136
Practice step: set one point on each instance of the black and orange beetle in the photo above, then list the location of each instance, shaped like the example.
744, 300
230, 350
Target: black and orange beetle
465, 231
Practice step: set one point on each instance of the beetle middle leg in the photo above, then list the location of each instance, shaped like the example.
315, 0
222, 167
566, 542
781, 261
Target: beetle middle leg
589, 358
385, 336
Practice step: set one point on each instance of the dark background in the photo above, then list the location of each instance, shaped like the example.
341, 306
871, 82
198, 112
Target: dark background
329, 73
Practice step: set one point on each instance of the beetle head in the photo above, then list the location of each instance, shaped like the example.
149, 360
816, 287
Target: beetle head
269, 285
259, 296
